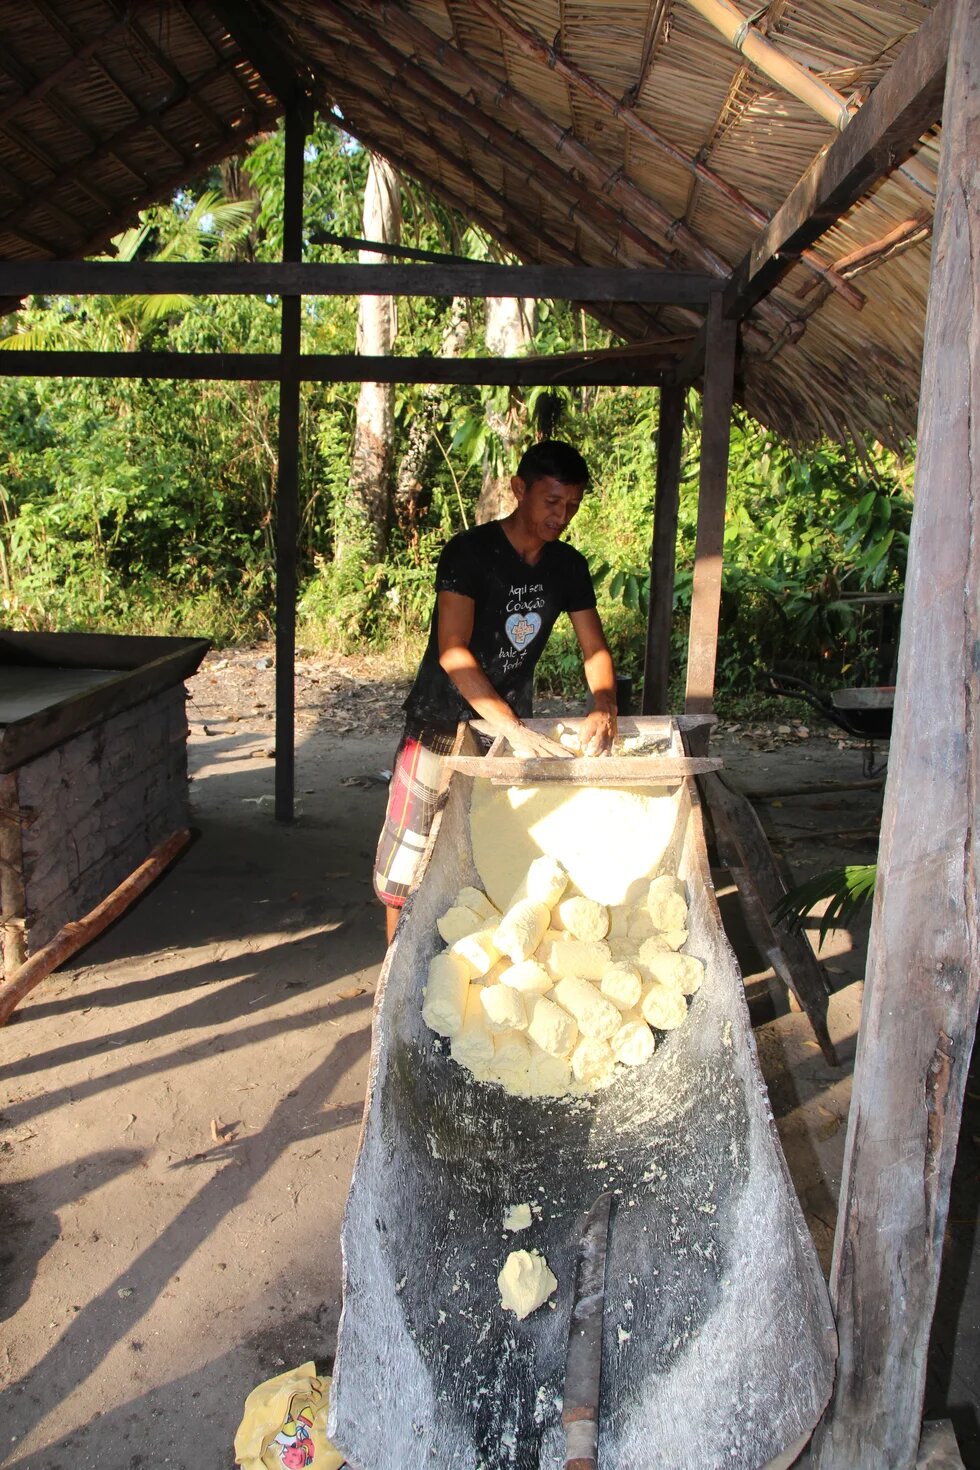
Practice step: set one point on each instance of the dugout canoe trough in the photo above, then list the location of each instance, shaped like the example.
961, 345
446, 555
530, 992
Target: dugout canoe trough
718, 1344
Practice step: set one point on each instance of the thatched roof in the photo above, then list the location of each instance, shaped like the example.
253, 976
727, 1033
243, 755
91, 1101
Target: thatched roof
599, 133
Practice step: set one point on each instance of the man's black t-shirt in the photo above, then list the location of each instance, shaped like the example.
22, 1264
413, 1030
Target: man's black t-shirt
516, 608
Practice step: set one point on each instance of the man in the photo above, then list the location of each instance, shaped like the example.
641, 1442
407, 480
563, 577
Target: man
499, 590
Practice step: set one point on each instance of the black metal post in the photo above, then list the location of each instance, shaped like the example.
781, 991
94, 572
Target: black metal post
287, 487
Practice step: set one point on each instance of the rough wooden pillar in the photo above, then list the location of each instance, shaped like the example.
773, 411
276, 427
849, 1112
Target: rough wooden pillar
287, 488
663, 551
920, 1001
719, 372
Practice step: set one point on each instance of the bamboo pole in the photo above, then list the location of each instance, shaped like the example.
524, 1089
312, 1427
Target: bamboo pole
793, 78
919, 1014
533, 45
71, 937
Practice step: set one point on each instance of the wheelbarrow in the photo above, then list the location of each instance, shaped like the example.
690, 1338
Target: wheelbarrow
864, 713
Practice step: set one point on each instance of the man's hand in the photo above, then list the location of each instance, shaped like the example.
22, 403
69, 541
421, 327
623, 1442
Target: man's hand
598, 732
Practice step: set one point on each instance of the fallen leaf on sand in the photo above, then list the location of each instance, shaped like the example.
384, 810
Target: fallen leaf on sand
352, 992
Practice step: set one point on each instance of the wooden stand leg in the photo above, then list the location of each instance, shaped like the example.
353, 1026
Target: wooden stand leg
745, 851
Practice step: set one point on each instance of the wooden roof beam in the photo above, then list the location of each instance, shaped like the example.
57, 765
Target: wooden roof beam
499, 94
571, 370
280, 72
906, 102
290, 278
534, 45
44, 84
539, 172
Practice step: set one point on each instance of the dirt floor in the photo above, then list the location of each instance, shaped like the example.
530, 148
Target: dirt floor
181, 1105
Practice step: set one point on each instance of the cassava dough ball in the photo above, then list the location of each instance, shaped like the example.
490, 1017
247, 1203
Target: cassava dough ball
521, 929
584, 918
477, 951
633, 1044
622, 985
577, 957
553, 1029
473, 898
457, 922
503, 1008
446, 991
592, 1063
472, 1046
528, 975
666, 904
682, 971
664, 1006
597, 1017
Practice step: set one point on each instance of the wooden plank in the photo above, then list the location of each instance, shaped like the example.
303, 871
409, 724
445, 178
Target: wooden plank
906, 103
923, 976
611, 770
310, 278
73, 935
287, 483
585, 370
663, 550
702, 649
938, 1449
744, 850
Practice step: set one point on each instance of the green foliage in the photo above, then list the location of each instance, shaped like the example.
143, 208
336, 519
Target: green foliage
849, 890
151, 504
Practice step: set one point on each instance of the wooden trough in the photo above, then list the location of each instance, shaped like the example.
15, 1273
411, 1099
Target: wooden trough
718, 1344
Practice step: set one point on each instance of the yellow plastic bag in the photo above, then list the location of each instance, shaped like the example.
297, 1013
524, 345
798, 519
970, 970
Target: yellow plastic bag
284, 1424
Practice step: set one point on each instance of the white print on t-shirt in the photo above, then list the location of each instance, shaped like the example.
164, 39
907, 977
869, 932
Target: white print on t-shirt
523, 622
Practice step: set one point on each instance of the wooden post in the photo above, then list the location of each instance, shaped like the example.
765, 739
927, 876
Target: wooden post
920, 1000
663, 551
287, 488
716, 413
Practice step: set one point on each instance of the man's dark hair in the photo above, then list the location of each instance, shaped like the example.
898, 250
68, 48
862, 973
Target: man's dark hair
555, 459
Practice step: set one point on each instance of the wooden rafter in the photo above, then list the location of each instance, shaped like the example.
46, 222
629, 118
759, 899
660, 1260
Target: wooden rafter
44, 84
294, 278
534, 45
907, 101
910, 232
536, 169
545, 132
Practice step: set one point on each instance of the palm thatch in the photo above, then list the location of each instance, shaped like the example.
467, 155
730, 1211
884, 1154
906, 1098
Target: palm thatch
632, 133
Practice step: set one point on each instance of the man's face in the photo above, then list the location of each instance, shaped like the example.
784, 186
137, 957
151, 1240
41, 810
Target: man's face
545, 507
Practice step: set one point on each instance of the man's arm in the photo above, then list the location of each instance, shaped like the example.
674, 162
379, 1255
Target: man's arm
456, 614
599, 730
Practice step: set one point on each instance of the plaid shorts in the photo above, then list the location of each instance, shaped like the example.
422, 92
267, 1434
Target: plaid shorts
412, 803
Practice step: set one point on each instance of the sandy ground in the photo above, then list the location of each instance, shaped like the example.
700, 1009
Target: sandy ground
181, 1105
